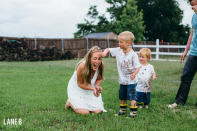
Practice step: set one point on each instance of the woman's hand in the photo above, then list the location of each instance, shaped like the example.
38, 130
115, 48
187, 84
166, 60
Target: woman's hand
95, 92
99, 88
183, 56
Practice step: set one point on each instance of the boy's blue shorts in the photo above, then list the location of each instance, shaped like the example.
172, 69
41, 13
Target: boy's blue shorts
127, 92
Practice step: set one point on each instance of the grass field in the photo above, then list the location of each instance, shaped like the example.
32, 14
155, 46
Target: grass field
36, 93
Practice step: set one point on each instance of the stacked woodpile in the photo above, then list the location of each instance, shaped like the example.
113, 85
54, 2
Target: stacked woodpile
34, 49
17, 50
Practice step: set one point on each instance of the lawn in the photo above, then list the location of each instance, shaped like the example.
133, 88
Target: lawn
35, 92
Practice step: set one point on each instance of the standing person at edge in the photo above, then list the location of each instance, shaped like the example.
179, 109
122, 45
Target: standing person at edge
128, 66
190, 66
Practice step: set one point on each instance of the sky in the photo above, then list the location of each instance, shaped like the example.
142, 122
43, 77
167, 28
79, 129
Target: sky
53, 18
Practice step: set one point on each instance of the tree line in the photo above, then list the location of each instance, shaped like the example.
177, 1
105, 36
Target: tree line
147, 19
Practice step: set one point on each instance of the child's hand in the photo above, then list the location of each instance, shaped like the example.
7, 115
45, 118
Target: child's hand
105, 52
133, 76
195, 8
154, 77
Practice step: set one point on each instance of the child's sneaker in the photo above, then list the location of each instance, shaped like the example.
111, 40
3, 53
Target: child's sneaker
146, 106
133, 111
132, 115
123, 109
121, 113
140, 106
173, 105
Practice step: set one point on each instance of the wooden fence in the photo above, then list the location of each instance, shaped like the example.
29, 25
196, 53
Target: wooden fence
79, 47
162, 50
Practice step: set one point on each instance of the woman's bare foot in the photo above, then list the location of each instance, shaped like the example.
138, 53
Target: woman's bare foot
97, 111
67, 105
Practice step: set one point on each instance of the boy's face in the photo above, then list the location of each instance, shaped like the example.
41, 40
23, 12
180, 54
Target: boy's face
193, 2
123, 44
143, 59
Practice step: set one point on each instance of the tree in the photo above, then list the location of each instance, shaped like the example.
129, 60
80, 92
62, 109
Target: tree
131, 20
123, 16
163, 20
93, 23
88, 26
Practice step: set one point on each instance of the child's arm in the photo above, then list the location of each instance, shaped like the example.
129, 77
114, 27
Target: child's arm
135, 73
154, 76
105, 52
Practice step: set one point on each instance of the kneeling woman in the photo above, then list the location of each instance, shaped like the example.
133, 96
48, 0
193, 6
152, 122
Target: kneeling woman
84, 91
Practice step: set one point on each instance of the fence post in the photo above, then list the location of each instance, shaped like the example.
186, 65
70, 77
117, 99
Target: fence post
35, 43
62, 45
108, 44
87, 44
157, 49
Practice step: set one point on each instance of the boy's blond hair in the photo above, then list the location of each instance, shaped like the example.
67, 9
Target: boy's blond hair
126, 36
146, 52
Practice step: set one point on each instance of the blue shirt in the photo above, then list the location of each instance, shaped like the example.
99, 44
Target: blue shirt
193, 46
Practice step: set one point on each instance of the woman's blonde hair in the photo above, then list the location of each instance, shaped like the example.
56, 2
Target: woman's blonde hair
126, 36
146, 52
87, 72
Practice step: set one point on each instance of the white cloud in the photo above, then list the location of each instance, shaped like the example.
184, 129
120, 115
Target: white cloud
43, 18
187, 12
51, 18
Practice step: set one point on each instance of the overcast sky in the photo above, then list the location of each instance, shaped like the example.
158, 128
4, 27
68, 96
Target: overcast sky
52, 18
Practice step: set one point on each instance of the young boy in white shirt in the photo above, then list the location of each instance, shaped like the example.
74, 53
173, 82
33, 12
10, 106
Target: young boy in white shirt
146, 72
128, 66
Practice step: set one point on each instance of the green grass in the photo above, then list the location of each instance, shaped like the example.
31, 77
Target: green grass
36, 93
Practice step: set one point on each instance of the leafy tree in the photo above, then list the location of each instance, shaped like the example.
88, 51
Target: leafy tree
163, 20
88, 26
123, 16
131, 20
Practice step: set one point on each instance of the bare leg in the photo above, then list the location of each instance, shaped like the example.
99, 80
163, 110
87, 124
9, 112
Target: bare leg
123, 101
82, 111
79, 111
97, 111
133, 103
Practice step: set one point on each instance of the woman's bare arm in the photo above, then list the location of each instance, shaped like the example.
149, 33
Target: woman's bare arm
80, 80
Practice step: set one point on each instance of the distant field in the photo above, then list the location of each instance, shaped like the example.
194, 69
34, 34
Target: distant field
36, 93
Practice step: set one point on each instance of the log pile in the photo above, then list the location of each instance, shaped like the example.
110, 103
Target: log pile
17, 50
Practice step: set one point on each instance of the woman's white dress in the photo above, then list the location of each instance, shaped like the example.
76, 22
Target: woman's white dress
81, 98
